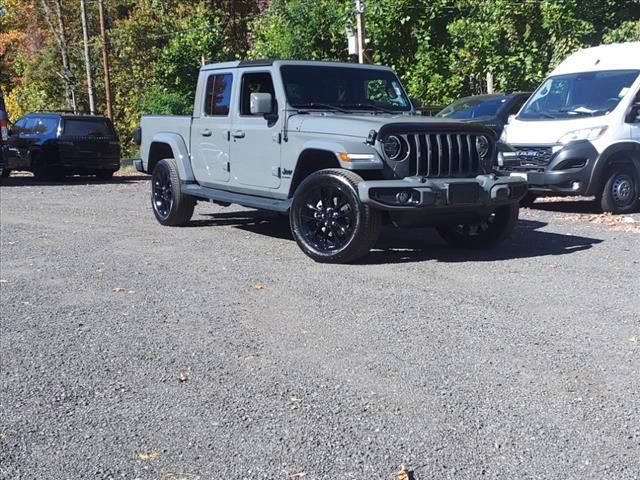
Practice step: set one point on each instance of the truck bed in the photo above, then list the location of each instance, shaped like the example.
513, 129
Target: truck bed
152, 125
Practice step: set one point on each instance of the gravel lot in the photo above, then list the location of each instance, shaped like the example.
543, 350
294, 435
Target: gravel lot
219, 351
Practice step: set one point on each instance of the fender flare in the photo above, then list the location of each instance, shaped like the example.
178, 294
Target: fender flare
180, 153
611, 151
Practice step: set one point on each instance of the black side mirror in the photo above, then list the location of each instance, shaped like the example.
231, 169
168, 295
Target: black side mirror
634, 114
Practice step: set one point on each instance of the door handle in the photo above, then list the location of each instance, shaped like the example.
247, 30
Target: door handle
237, 134
205, 133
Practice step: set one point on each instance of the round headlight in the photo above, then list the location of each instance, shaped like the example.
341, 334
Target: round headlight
393, 148
482, 144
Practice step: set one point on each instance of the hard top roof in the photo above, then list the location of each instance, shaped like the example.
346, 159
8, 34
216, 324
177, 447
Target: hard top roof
278, 63
616, 56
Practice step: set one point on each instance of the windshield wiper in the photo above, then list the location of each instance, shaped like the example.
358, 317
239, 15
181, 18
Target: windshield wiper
578, 111
323, 106
369, 106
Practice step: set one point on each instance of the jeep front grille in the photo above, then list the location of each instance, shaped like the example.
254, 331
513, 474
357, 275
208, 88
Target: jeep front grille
445, 154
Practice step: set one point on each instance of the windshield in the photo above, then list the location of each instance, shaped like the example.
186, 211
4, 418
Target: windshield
473, 107
589, 94
343, 88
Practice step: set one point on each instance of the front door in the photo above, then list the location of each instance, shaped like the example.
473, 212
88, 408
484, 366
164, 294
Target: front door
635, 125
255, 139
210, 131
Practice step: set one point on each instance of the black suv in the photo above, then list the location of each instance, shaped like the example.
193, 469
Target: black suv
59, 144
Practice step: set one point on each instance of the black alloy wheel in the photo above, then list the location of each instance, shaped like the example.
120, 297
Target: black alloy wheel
170, 206
328, 220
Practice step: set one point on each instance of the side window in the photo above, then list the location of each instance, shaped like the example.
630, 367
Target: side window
637, 99
218, 95
44, 125
254, 83
29, 124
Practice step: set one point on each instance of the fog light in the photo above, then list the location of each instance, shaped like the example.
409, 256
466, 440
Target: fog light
403, 197
575, 186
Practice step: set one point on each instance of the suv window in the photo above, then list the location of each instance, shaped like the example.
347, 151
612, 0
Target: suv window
88, 127
45, 125
254, 83
218, 95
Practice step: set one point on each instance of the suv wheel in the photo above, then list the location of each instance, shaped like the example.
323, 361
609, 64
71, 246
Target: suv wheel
621, 191
328, 220
496, 228
170, 206
39, 168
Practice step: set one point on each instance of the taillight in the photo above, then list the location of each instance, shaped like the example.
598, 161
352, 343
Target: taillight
4, 130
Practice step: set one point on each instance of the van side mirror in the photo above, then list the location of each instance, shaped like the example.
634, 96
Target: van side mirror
260, 103
634, 114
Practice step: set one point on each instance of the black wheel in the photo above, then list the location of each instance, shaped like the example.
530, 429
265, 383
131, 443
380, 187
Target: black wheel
488, 233
621, 190
104, 175
39, 167
328, 220
528, 199
170, 206
5, 172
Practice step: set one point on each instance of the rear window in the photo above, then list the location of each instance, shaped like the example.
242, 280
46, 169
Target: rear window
98, 127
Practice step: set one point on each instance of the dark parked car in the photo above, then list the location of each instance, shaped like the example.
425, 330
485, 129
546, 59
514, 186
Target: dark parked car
492, 110
59, 144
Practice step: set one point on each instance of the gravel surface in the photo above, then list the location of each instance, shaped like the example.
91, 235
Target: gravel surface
220, 351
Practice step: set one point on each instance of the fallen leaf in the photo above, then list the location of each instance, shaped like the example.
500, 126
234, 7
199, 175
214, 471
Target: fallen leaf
297, 475
145, 457
119, 289
171, 475
635, 339
131, 291
403, 474
258, 286
183, 376
4, 280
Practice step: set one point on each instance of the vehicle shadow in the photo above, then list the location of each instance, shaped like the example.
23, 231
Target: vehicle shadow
29, 181
568, 206
401, 245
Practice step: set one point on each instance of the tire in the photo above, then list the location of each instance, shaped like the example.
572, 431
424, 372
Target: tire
329, 222
528, 199
104, 175
39, 168
5, 172
486, 234
621, 190
170, 206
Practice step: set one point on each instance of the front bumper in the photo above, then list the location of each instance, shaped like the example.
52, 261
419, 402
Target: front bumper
569, 171
415, 193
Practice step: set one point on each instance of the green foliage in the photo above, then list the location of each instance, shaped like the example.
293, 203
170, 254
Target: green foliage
299, 29
626, 32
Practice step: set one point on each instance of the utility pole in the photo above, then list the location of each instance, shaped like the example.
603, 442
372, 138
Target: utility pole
105, 60
87, 60
360, 28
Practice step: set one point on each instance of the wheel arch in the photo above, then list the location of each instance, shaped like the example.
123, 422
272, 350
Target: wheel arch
310, 161
621, 153
170, 145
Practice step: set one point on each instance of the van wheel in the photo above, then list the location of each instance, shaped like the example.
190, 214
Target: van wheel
170, 206
621, 191
488, 233
328, 220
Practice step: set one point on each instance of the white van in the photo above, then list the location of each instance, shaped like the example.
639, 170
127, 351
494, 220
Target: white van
579, 133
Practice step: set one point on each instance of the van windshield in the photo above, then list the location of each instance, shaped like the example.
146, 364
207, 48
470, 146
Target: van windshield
575, 95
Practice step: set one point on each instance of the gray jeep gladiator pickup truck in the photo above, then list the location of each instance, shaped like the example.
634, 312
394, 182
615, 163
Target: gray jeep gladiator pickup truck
335, 146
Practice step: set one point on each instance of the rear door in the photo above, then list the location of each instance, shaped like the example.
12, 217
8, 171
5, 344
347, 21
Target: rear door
210, 130
255, 140
88, 138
